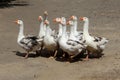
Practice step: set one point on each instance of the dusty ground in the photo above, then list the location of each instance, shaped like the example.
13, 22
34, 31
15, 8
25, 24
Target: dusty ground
104, 18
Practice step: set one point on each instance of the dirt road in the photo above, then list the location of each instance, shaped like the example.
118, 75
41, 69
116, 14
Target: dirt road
104, 18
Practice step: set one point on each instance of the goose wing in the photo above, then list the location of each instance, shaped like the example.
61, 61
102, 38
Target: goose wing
101, 40
74, 47
32, 37
75, 44
29, 42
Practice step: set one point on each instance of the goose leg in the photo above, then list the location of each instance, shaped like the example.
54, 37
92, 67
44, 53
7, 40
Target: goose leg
70, 59
55, 53
87, 57
26, 56
38, 52
75, 55
51, 55
65, 55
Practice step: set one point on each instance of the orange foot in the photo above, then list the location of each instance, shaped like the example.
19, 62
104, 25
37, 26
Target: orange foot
86, 59
26, 56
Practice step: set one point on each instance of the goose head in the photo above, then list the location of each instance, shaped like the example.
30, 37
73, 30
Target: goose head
40, 18
20, 22
46, 22
70, 23
57, 20
45, 15
74, 18
83, 19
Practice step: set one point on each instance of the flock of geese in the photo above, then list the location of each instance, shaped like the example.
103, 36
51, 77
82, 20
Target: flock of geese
72, 42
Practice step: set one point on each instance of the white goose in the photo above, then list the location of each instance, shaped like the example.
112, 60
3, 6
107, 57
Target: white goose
72, 33
29, 43
95, 45
77, 34
72, 47
49, 41
41, 34
42, 28
46, 18
58, 20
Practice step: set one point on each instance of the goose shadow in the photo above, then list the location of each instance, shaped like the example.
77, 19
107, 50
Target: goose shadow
66, 57
31, 55
43, 53
80, 57
59, 57
12, 3
99, 55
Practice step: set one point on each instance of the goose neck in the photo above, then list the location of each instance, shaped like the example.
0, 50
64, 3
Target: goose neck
47, 33
71, 31
60, 29
85, 29
41, 28
21, 31
75, 26
63, 30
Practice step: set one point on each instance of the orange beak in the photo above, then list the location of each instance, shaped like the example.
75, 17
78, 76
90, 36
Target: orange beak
45, 22
81, 18
67, 23
45, 13
54, 20
40, 18
71, 18
16, 21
